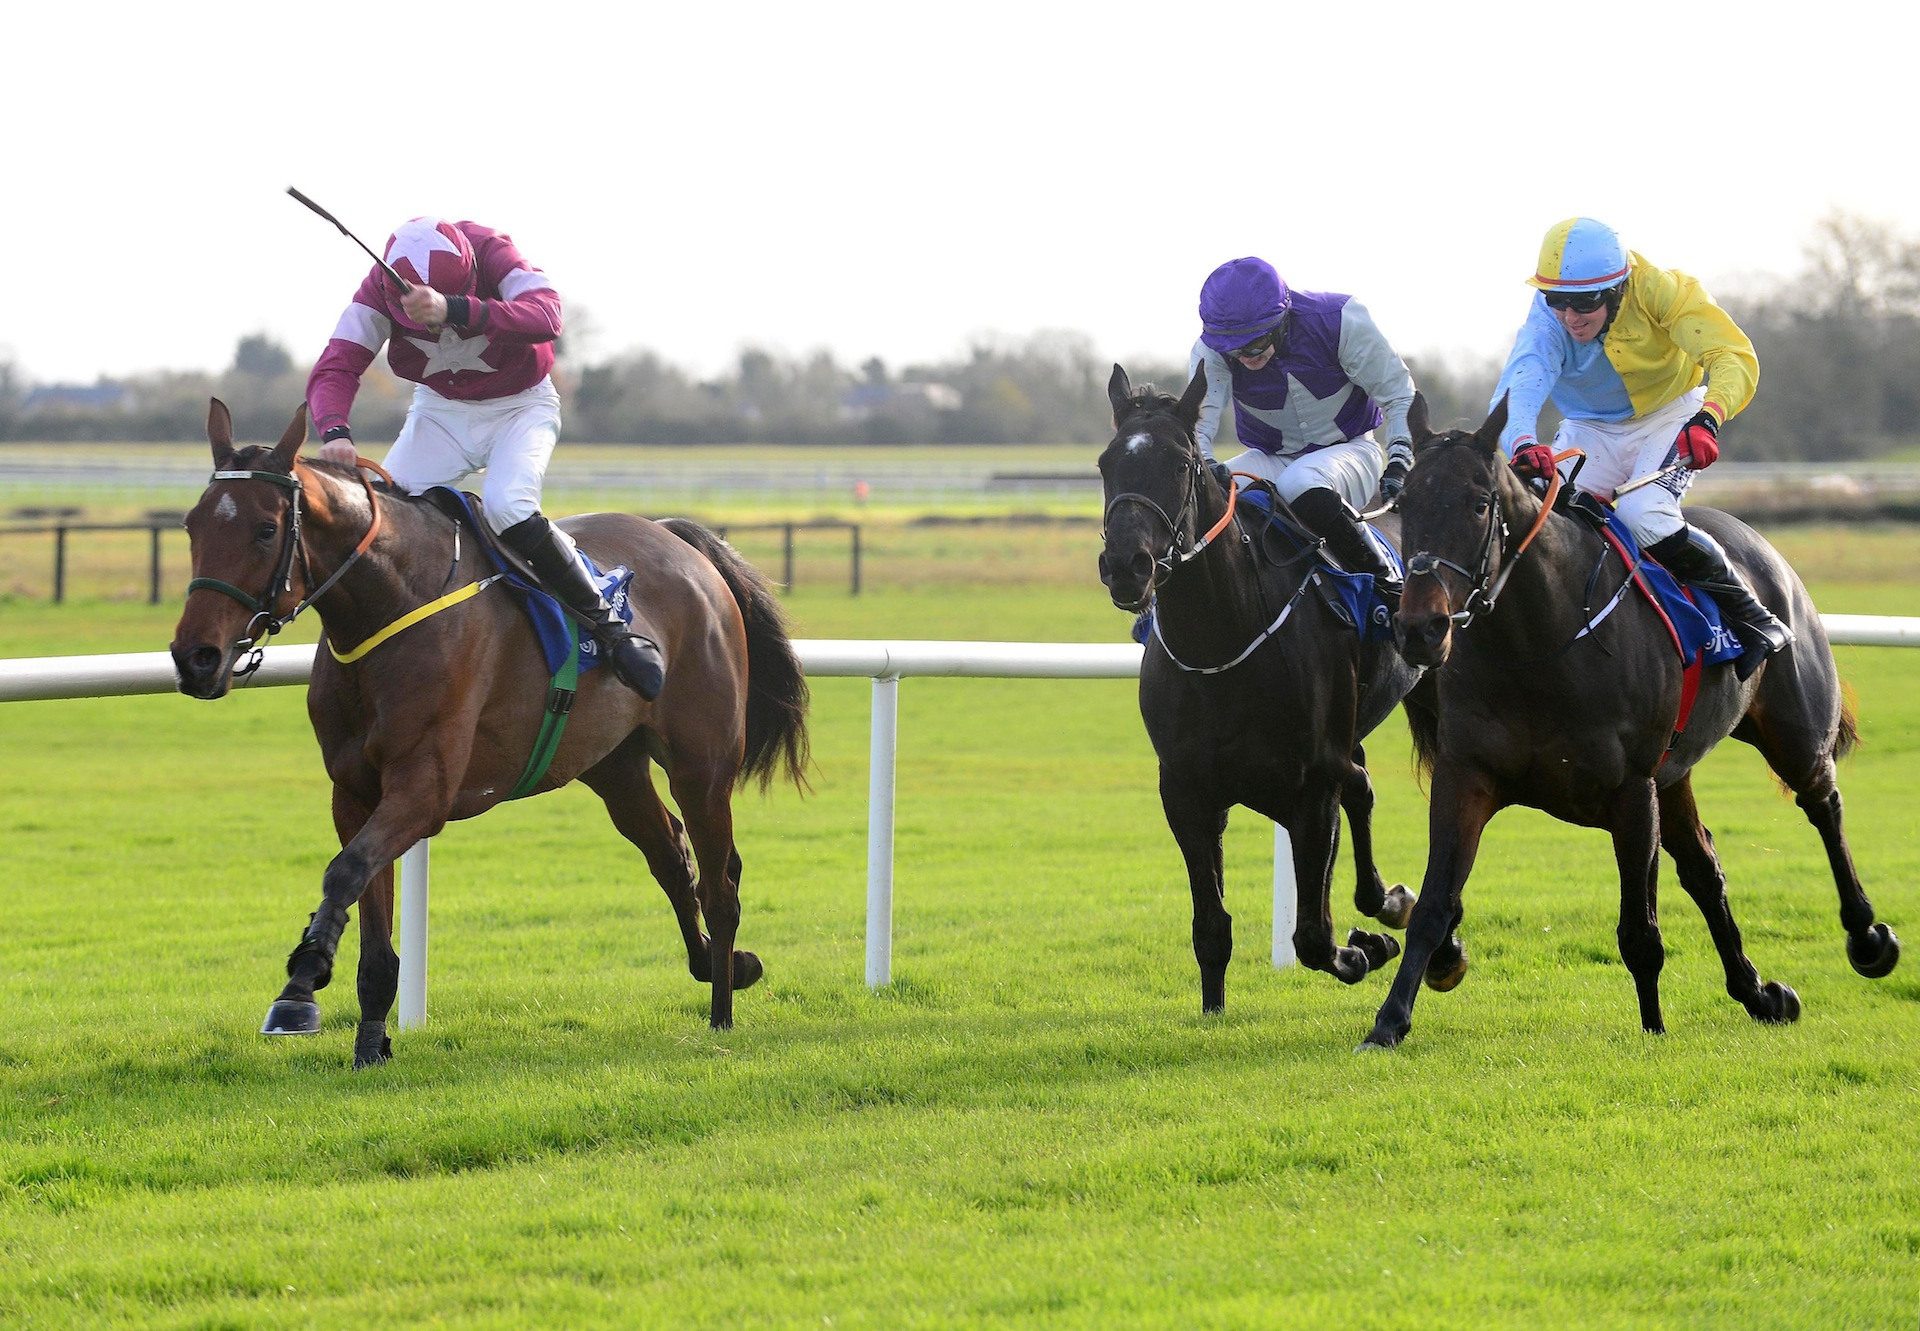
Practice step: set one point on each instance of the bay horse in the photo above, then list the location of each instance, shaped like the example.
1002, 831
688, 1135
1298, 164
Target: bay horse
1540, 701
1252, 691
437, 721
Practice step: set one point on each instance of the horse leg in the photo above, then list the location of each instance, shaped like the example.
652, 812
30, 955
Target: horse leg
1371, 896
1872, 948
1461, 805
419, 795
1691, 845
295, 1012
1198, 823
1799, 724
379, 977
1314, 834
1635, 851
702, 792
624, 782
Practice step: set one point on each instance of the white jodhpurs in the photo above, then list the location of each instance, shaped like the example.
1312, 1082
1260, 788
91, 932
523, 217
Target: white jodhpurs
445, 441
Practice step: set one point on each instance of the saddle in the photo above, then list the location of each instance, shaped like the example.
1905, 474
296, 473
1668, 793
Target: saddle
1280, 540
553, 624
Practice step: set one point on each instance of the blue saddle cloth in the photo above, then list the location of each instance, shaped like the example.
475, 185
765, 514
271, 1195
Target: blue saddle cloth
1351, 596
1696, 621
552, 625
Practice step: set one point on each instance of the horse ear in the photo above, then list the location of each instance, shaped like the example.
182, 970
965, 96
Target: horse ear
219, 428
1488, 435
1189, 409
1119, 389
1419, 424
288, 448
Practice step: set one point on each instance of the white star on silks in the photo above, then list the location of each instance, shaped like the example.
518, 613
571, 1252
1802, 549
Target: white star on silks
417, 242
453, 352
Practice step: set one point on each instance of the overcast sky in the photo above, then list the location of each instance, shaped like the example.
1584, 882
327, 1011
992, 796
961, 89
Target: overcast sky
898, 179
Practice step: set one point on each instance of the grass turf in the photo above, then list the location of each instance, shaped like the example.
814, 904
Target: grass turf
1032, 1125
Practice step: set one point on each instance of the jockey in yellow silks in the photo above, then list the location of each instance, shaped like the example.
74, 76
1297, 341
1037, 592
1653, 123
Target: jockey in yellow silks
1645, 369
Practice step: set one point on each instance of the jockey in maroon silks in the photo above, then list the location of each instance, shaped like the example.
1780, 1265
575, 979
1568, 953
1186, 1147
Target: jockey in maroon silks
474, 332
1311, 378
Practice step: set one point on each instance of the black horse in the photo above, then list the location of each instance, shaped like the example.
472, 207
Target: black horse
1252, 690
1545, 702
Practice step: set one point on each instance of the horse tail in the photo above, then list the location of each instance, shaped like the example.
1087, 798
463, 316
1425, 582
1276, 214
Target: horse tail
1848, 737
776, 685
1423, 720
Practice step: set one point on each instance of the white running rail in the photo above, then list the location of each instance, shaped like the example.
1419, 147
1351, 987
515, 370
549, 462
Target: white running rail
885, 662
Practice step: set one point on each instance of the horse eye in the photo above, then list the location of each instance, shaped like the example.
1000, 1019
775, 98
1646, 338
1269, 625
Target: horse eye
1480, 508
265, 531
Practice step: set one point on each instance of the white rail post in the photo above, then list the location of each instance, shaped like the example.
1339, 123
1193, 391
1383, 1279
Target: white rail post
882, 745
1284, 899
413, 935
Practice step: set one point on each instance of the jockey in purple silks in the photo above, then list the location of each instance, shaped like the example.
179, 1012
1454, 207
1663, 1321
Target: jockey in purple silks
1311, 379
474, 331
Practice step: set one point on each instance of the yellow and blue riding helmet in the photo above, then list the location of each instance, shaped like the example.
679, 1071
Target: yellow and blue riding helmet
1580, 254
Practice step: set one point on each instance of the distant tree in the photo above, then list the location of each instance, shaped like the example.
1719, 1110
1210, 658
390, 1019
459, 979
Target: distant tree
260, 357
1839, 348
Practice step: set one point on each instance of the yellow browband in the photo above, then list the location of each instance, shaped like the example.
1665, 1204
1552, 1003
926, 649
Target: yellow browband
411, 618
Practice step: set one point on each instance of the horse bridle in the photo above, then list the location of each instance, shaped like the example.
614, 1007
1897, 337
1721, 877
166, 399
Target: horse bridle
265, 624
1178, 525
1481, 598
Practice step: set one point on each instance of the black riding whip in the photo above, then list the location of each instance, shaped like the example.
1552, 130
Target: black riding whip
385, 267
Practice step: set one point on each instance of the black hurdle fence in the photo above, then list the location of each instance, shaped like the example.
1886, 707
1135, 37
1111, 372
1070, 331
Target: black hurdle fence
159, 521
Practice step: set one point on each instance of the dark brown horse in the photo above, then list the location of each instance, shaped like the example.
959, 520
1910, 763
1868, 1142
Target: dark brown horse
1546, 703
1252, 691
437, 722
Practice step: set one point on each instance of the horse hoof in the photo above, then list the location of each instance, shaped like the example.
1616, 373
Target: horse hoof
371, 1046
1874, 953
1398, 907
1380, 1041
1447, 980
1378, 949
747, 970
287, 1017
1779, 1005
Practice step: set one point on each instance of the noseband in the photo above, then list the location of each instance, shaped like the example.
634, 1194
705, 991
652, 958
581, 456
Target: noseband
265, 624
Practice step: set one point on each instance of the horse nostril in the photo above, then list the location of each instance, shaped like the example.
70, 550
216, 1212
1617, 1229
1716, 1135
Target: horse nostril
1141, 565
1106, 572
204, 660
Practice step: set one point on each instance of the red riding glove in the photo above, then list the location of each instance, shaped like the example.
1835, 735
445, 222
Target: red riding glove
1533, 460
1699, 443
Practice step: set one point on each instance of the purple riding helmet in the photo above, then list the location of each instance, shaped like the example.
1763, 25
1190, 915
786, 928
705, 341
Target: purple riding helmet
1240, 300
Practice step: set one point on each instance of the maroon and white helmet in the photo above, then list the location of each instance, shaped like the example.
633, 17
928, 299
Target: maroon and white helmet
429, 252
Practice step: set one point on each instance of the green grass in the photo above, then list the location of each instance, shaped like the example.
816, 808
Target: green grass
1032, 1125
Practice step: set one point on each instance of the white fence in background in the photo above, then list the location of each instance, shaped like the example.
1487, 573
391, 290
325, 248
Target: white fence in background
885, 662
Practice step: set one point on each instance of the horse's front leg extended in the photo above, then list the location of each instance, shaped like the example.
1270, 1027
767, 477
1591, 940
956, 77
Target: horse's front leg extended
1198, 821
1393, 906
413, 811
1462, 803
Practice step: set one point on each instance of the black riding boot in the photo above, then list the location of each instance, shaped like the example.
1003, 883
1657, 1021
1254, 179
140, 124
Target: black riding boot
1694, 556
636, 659
1334, 521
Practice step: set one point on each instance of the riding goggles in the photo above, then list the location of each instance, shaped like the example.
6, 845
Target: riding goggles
1580, 302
